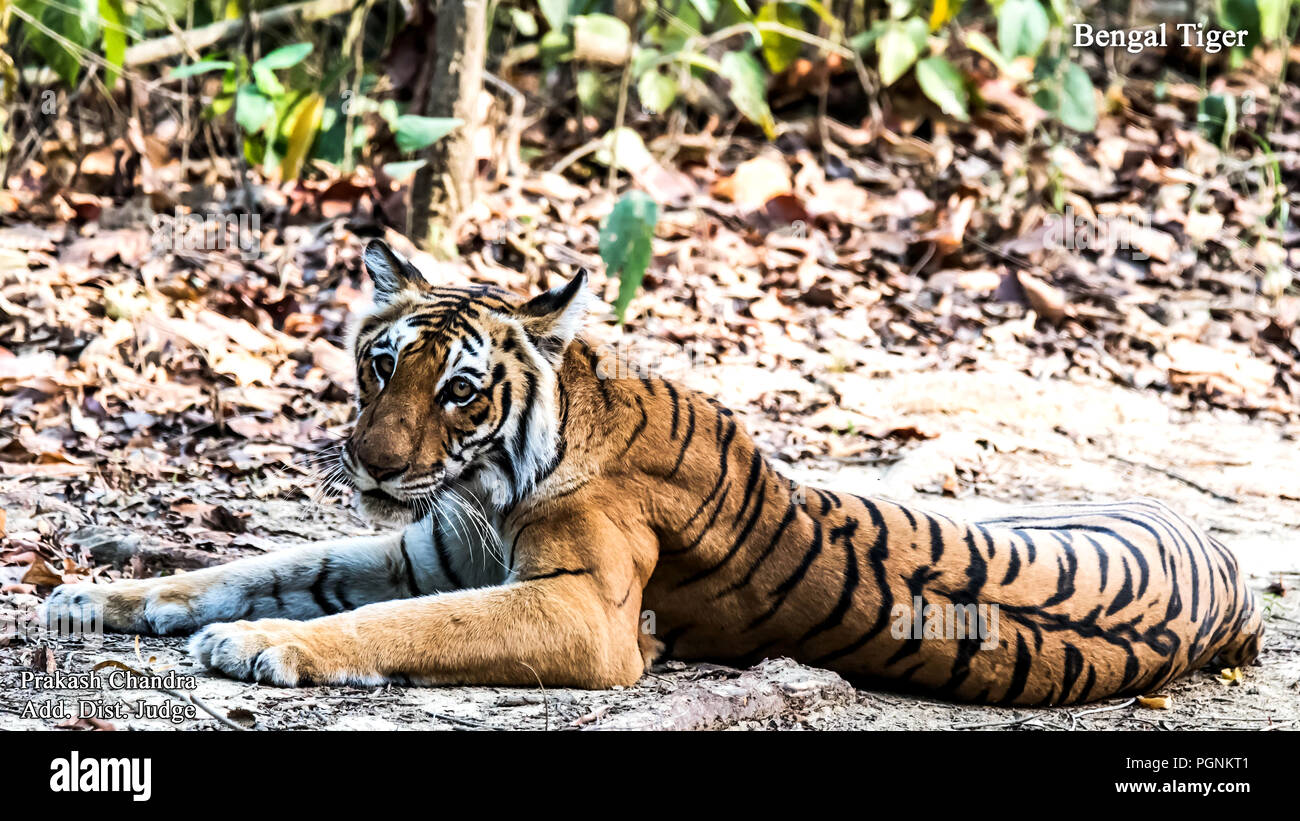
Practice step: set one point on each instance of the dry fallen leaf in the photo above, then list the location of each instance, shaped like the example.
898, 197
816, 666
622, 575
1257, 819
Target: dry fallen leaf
1046, 299
1156, 702
40, 573
1231, 676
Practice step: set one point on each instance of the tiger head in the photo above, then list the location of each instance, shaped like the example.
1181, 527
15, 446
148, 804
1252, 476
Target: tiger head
456, 389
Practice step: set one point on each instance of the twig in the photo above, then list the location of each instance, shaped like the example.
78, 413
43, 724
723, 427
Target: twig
151, 51
546, 704
1179, 477
464, 722
589, 147
621, 112
514, 129
1119, 706
1012, 723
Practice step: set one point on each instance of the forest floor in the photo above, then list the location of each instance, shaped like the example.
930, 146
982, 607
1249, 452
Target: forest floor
995, 438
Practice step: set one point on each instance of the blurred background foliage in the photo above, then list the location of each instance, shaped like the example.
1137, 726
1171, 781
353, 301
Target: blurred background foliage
292, 101
312, 89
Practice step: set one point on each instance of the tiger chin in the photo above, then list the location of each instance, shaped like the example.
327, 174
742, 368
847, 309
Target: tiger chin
546, 510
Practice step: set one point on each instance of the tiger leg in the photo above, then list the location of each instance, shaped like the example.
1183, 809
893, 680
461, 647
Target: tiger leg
294, 583
567, 621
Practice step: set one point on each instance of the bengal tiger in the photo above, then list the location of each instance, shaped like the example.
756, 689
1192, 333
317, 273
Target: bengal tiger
553, 514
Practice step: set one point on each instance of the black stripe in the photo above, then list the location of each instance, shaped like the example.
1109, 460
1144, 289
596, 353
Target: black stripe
1020, 675
410, 570
751, 481
690, 432
677, 409
640, 426
876, 556
1065, 571
725, 447
275, 590
563, 571
790, 512
444, 557
1073, 669
844, 533
740, 539
936, 539
783, 590
318, 589
1013, 567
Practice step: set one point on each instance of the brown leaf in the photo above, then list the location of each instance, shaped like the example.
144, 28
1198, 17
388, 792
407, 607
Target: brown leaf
40, 573
756, 181
1046, 299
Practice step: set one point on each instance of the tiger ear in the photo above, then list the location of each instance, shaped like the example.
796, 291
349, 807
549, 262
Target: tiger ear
389, 271
554, 318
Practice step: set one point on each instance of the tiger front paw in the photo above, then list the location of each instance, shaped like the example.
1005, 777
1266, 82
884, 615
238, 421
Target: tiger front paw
281, 652
264, 651
120, 607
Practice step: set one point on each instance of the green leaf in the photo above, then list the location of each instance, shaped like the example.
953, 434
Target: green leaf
401, 171
1272, 19
899, 47
779, 50
1078, 108
523, 22
1243, 16
627, 145
943, 84
600, 36
305, 126
285, 57
112, 15
267, 82
591, 90
708, 9
390, 111
556, 12
76, 21
414, 132
253, 110
1022, 28
201, 67
1217, 117
625, 245
657, 91
748, 89
864, 40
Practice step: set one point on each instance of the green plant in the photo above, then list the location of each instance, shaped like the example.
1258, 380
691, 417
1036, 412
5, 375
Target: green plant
668, 59
910, 39
283, 123
62, 32
625, 244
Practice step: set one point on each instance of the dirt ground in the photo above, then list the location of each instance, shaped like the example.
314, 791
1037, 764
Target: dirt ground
995, 439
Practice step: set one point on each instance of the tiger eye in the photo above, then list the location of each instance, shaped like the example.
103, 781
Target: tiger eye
384, 365
461, 389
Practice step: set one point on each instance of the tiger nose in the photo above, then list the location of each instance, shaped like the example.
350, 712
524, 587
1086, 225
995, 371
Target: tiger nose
380, 473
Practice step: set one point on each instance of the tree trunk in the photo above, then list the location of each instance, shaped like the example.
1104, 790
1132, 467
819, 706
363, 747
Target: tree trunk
444, 187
